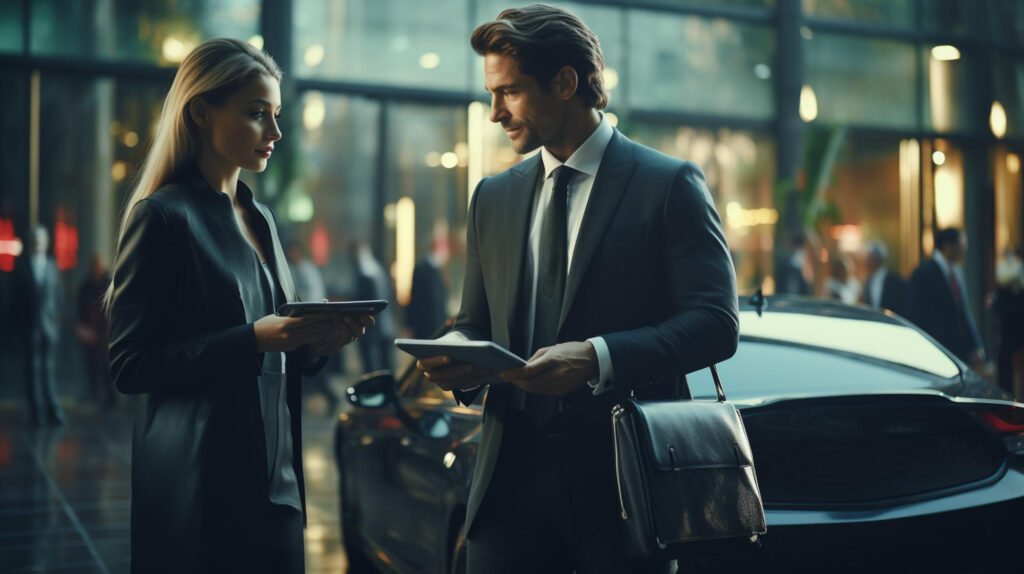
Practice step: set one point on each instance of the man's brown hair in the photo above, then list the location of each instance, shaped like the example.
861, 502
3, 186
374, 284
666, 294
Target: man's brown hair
541, 39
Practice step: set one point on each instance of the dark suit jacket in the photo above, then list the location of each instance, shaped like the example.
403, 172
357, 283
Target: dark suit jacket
179, 337
935, 311
38, 303
894, 293
651, 273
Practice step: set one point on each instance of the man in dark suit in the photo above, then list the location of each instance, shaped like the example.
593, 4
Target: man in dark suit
939, 299
601, 260
884, 288
39, 300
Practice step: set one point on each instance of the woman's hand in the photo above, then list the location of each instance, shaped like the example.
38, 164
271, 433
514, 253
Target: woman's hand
346, 328
283, 334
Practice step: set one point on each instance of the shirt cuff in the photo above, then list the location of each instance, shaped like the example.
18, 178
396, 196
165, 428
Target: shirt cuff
605, 371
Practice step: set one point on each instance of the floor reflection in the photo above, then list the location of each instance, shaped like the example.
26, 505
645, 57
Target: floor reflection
66, 492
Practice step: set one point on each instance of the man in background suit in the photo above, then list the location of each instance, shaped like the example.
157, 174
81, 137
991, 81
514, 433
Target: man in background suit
39, 292
939, 299
601, 260
883, 289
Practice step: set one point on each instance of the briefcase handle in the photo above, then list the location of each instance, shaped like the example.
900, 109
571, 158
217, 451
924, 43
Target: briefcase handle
718, 383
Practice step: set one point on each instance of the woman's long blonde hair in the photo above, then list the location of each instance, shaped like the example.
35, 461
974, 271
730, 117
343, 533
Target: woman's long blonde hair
215, 70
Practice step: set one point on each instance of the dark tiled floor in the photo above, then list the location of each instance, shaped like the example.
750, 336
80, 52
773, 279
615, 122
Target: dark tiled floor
65, 494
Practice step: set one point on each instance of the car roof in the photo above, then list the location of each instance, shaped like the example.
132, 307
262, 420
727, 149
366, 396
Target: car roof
855, 330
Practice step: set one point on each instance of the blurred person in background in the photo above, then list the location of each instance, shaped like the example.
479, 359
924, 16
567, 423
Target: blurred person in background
372, 282
91, 331
37, 301
428, 302
790, 277
939, 302
884, 288
217, 481
309, 282
1008, 306
842, 285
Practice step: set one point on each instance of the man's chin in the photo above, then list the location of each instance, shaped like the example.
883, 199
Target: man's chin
525, 146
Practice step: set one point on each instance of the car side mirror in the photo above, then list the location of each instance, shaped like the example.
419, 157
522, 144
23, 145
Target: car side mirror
372, 390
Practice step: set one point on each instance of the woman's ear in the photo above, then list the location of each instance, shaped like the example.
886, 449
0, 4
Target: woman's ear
566, 82
198, 110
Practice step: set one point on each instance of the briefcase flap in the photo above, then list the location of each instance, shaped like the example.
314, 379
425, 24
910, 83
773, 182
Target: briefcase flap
692, 434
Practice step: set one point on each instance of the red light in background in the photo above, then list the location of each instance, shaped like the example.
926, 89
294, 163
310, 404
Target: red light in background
65, 243
319, 244
10, 245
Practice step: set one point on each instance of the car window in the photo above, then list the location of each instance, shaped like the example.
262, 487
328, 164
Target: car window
762, 369
891, 342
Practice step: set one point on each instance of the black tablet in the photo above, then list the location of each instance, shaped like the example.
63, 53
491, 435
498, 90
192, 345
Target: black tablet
484, 354
338, 307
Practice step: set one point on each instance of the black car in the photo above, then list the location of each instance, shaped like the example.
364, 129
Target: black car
874, 448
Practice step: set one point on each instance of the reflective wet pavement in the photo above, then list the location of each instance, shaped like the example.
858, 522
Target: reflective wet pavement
65, 494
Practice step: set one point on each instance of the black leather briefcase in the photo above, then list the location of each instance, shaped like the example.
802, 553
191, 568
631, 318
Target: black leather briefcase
685, 474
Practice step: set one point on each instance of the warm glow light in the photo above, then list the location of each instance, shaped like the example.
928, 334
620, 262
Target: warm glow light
405, 248
174, 50
256, 42
808, 104
997, 119
949, 200
611, 79
849, 238
938, 157
477, 118
613, 120
314, 112
449, 159
118, 171
1012, 163
430, 60
946, 53
131, 139
738, 218
433, 159
314, 55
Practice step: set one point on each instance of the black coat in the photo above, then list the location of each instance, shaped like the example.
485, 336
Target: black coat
179, 337
651, 274
933, 308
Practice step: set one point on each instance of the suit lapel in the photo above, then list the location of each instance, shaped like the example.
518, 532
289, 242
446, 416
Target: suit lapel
278, 263
518, 203
609, 186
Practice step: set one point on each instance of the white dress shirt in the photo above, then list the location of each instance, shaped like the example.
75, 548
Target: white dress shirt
585, 160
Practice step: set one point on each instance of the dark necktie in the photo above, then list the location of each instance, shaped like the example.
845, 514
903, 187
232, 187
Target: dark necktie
552, 267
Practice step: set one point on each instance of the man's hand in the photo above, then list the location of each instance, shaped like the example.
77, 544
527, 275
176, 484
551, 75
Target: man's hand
344, 330
451, 376
557, 370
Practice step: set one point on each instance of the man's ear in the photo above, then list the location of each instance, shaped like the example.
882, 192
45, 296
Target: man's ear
199, 111
565, 82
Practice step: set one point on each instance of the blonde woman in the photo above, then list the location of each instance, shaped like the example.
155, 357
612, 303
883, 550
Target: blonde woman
216, 458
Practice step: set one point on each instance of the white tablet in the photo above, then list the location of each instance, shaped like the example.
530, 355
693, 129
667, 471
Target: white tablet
484, 354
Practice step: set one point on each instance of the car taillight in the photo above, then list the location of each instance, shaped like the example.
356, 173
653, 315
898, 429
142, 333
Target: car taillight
1007, 421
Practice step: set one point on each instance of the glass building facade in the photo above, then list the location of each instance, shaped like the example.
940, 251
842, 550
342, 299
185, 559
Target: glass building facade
846, 120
